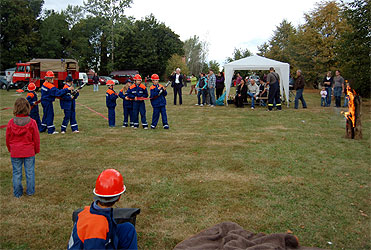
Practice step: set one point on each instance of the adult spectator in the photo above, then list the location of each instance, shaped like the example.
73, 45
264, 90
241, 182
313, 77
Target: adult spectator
211, 83
193, 84
202, 89
253, 92
238, 79
241, 94
299, 86
273, 80
95, 81
328, 82
263, 92
219, 84
338, 88
177, 85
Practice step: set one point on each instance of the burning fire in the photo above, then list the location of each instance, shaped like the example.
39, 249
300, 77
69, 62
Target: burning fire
352, 109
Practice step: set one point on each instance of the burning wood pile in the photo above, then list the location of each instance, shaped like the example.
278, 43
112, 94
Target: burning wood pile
353, 116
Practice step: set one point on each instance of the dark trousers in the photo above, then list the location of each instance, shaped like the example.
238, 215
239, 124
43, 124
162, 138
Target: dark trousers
69, 116
48, 117
274, 96
139, 107
128, 112
111, 117
156, 115
238, 101
177, 91
203, 93
219, 92
34, 114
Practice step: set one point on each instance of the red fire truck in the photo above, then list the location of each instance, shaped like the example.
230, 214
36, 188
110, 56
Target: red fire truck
35, 70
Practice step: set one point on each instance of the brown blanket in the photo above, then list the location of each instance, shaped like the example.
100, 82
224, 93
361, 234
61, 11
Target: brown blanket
231, 236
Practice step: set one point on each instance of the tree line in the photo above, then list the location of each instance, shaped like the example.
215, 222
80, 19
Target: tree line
334, 36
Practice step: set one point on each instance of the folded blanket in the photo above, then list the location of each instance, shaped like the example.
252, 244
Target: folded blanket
231, 236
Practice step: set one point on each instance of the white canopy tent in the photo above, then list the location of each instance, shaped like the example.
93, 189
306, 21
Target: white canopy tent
259, 63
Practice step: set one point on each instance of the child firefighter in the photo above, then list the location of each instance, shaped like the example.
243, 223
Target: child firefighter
111, 97
137, 92
32, 100
68, 105
158, 101
127, 105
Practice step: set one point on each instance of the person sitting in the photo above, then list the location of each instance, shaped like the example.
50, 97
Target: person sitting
95, 227
253, 92
241, 94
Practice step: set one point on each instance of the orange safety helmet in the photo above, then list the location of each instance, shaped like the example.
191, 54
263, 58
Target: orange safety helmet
155, 77
110, 82
49, 74
31, 86
137, 77
109, 183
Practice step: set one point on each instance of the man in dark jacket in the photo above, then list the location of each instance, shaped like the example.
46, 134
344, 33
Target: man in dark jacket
299, 86
177, 84
273, 80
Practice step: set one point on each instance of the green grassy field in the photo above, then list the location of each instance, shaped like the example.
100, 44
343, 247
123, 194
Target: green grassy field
267, 171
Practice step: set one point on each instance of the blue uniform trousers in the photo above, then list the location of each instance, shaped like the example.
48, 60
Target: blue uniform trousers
111, 117
48, 117
274, 96
139, 107
69, 116
156, 115
34, 114
128, 112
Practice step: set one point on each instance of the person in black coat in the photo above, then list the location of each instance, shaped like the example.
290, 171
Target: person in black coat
177, 85
241, 94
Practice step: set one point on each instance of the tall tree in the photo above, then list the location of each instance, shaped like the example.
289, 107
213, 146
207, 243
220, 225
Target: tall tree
195, 52
239, 54
354, 46
19, 30
176, 61
214, 65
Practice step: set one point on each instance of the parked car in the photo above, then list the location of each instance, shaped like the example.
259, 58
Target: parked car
3, 82
123, 75
83, 78
104, 79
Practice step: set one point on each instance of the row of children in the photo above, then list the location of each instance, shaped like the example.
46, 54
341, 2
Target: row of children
48, 94
133, 96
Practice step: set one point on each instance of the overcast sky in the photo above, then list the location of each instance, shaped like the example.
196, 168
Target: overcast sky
224, 24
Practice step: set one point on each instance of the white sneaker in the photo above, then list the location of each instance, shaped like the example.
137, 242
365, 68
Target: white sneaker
63, 132
211, 106
76, 131
55, 132
201, 105
145, 127
197, 104
252, 108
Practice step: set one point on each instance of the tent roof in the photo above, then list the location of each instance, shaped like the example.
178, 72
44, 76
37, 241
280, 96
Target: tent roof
256, 61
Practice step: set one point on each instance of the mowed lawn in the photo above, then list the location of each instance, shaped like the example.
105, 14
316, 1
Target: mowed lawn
267, 171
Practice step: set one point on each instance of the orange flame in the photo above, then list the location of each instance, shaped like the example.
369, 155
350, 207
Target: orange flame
352, 108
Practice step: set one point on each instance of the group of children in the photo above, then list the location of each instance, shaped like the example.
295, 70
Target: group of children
133, 96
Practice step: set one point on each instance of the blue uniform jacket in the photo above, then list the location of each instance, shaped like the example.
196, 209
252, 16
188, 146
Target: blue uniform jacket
31, 98
156, 99
137, 91
126, 103
111, 97
94, 228
68, 101
49, 92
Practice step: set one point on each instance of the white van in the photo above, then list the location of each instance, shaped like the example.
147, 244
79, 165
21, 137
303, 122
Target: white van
83, 78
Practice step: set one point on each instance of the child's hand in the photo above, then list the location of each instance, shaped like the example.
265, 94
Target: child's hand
70, 88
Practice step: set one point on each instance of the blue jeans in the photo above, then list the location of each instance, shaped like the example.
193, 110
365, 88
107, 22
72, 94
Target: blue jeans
95, 87
299, 96
212, 95
329, 90
252, 99
337, 94
203, 93
29, 168
346, 101
323, 102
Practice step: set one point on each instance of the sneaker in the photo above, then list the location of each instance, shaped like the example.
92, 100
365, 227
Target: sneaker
76, 131
124, 126
211, 106
197, 104
201, 105
55, 132
63, 132
145, 127
252, 108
